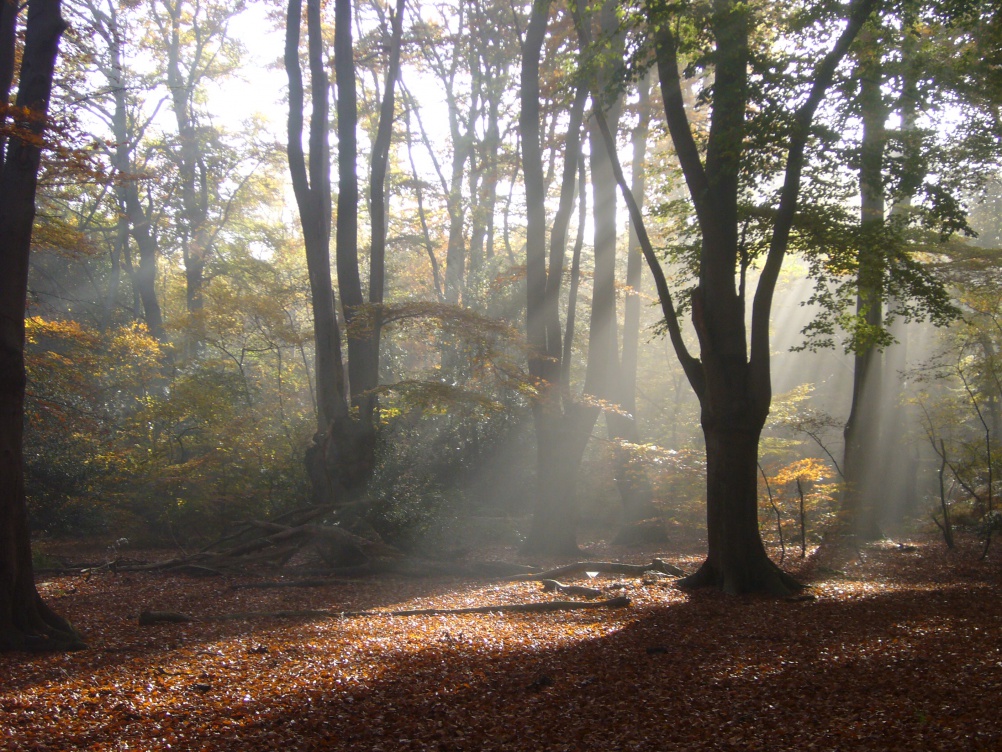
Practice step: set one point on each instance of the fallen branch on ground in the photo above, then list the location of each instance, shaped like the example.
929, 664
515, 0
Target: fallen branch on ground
148, 618
579, 590
602, 567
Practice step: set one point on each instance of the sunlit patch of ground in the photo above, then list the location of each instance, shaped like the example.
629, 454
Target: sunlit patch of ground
899, 650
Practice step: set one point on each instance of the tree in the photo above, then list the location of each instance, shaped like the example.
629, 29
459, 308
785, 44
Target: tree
342, 459
127, 123
563, 425
911, 177
862, 429
26, 622
197, 48
731, 376
611, 375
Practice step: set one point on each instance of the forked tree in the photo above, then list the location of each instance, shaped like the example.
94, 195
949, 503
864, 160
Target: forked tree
731, 375
342, 460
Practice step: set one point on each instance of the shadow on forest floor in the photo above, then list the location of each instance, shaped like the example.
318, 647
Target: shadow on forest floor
900, 651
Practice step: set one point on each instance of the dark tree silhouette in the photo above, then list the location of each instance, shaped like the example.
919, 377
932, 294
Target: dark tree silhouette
731, 376
26, 622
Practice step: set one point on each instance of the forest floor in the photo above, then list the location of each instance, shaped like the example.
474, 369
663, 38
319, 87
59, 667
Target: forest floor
900, 650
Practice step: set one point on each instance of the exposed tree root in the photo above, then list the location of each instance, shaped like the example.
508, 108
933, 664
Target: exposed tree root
767, 579
42, 631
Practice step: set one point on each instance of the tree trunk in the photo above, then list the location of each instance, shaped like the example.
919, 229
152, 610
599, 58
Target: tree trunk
635, 490
26, 622
562, 426
860, 502
363, 353
313, 197
196, 236
342, 459
560, 443
732, 377
137, 216
736, 560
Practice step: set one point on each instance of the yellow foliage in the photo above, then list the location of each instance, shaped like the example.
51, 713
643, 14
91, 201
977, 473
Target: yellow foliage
809, 469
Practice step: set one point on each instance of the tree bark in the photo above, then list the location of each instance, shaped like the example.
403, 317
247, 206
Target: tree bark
736, 560
135, 220
859, 504
342, 459
363, 343
26, 622
731, 378
313, 196
194, 193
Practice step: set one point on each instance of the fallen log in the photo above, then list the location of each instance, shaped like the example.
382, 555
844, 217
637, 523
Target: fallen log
579, 590
147, 618
307, 583
195, 570
601, 567
510, 608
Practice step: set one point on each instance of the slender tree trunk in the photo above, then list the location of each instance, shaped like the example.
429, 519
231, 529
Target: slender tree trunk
635, 491
455, 257
346, 234
26, 622
145, 277
562, 427
422, 213
119, 249
860, 503
136, 214
602, 369
482, 225
898, 475
194, 192
194, 36
312, 190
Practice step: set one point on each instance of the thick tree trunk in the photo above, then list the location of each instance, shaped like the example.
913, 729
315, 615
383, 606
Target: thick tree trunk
342, 460
736, 560
732, 376
25, 621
